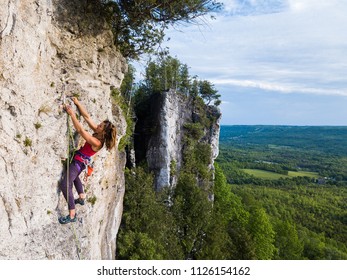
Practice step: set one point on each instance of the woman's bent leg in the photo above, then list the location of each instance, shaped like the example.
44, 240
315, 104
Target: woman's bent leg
66, 184
78, 183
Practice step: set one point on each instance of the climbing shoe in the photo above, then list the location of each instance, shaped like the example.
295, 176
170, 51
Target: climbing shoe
67, 219
79, 201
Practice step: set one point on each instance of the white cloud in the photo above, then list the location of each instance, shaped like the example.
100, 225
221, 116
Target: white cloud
257, 7
309, 5
253, 7
230, 5
305, 50
278, 87
299, 5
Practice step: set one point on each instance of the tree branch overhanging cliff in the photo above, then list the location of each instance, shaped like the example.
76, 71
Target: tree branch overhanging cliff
139, 25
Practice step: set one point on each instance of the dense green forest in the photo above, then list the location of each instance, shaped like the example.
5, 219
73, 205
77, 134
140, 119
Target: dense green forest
296, 217
311, 208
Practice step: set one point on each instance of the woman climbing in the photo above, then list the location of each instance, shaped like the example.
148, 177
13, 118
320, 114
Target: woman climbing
104, 133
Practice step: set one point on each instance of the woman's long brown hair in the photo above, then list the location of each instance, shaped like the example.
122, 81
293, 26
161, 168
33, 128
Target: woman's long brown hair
110, 135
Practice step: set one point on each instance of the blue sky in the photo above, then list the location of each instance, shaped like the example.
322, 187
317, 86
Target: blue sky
273, 61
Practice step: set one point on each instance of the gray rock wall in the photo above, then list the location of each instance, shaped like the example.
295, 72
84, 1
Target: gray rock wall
165, 146
46, 47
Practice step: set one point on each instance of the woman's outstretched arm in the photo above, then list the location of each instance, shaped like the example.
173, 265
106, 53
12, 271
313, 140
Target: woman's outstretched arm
85, 114
96, 144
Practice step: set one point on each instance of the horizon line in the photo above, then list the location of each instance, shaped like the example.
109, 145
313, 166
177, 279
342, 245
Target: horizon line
317, 125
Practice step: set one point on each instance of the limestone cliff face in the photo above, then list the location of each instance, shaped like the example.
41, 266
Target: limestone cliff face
48, 47
160, 133
165, 146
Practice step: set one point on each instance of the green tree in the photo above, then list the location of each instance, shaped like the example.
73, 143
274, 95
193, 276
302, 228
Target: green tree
217, 243
127, 85
314, 245
242, 246
208, 92
287, 242
194, 88
235, 219
226, 202
154, 81
167, 73
139, 24
185, 82
171, 73
192, 211
227, 237
262, 233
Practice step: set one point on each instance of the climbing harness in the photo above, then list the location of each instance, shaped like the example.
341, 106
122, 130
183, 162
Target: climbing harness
87, 161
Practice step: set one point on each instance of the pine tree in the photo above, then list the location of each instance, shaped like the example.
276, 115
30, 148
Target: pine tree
208, 92
262, 234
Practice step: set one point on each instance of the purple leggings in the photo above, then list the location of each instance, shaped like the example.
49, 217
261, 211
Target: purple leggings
75, 169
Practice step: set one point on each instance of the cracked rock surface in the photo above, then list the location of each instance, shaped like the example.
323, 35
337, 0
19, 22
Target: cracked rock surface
48, 47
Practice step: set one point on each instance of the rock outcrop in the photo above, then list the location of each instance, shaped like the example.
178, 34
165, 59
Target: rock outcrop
160, 132
48, 47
